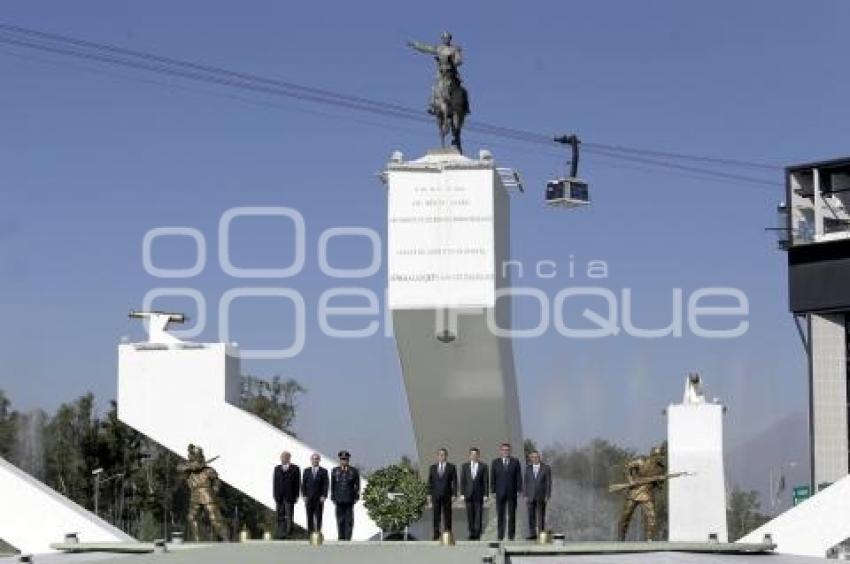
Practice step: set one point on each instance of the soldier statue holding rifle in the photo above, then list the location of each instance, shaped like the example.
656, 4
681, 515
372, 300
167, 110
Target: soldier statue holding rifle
644, 476
203, 487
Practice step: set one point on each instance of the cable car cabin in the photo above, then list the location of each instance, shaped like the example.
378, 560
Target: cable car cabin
570, 192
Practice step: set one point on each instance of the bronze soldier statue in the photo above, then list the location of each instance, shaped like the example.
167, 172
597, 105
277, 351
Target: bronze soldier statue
449, 99
644, 476
203, 487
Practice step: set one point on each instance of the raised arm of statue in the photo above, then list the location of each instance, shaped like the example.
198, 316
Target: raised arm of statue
422, 47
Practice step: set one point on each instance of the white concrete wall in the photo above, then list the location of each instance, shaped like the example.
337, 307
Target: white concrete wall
812, 527
697, 503
460, 394
178, 396
829, 397
32, 515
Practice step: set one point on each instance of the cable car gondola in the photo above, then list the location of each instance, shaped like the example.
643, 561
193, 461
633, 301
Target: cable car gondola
571, 191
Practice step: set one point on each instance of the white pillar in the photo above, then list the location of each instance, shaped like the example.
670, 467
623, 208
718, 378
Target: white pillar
829, 397
448, 235
697, 502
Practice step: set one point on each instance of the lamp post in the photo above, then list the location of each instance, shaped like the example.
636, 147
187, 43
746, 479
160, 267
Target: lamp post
776, 490
97, 483
96, 473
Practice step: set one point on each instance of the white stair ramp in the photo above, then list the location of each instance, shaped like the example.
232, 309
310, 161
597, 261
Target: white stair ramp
812, 527
179, 393
32, 515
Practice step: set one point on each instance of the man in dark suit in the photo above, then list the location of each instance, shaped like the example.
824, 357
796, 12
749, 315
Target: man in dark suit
345, 492
287, 486
314, 490
442, 488
538, 489
474, 487
506, 483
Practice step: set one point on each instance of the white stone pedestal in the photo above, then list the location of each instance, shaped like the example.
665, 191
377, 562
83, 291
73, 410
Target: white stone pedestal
697, 502
448, 236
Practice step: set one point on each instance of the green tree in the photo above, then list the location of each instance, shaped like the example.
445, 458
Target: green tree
138, 482
743, 513
70, 437
580, 504
28, 451
408, 462
528, 446
8, 426
273, 401
166, 497
595, 465
122, 452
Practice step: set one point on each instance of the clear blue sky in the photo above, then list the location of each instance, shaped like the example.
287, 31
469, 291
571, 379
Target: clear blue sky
90, 161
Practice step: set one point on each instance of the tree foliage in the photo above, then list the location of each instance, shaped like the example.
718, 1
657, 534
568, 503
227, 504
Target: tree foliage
273, 401
743, 513
8, 426
581, 505
528, 446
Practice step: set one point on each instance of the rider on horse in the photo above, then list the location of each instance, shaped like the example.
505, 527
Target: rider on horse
449, 100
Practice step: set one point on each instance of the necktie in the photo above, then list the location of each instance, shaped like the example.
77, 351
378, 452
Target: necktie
505, 461
441, 468
315, 471
474, 469
535, 472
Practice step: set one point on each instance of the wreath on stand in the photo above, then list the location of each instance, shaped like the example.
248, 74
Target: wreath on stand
395, 497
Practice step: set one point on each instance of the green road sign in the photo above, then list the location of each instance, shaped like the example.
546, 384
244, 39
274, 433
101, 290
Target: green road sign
801, 494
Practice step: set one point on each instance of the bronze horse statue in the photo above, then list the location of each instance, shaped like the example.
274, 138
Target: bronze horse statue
449, 99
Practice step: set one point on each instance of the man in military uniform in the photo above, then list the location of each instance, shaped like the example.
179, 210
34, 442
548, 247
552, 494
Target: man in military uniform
644, 476
345, 492
203, 486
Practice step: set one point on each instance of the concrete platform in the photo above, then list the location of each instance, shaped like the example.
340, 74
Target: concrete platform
636, 547
263, 552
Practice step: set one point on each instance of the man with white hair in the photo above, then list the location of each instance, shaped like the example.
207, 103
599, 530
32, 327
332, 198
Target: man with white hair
287, 487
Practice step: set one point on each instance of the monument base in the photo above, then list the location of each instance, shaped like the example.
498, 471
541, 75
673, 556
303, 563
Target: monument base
333, 552
423, 529
448, 235
697, 501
